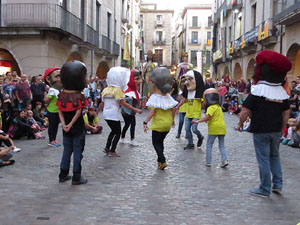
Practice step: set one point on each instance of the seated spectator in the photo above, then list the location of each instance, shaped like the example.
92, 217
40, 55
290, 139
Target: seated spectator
91, 121
8, 141
290, 127
38, 116
295, 136
32, 121
226, 105
20, 127
5, 156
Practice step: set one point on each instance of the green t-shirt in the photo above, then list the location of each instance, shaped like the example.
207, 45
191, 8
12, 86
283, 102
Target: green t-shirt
52, 107
193, 108
216, 125
183, 108
162, 120
86, 120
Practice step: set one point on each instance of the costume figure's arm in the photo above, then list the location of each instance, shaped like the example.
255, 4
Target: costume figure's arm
243, 117
285, 118
149, 117
184, 100
125, 104
204, 119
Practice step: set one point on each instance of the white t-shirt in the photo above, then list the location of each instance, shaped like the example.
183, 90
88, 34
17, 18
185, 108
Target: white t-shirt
111, 109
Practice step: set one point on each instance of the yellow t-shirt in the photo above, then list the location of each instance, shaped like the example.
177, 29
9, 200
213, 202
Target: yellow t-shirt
193, 108
183, 108
216, 125
162, 120
86, 120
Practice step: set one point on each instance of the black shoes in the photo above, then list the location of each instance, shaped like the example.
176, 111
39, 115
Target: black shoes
189, 146
66, 178
199, 143
178, 136
82, 180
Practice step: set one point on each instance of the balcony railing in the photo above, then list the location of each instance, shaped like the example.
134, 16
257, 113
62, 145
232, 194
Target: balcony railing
40, 15
116, 49
106, 43
287, 12
159, 42
92, 36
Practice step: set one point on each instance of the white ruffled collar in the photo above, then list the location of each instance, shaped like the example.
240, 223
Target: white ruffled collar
161, 102
269, 90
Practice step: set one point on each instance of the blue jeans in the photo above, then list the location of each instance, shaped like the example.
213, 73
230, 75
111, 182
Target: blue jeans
188, 126
267, 154
209, 144
75, 145
181, 121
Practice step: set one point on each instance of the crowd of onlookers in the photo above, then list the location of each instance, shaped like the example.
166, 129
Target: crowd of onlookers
23, 112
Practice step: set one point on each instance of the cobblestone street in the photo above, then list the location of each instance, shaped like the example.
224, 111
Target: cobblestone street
131, 190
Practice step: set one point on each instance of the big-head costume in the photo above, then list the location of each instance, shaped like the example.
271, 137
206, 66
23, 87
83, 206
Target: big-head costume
70, 101
269, 109
193, 93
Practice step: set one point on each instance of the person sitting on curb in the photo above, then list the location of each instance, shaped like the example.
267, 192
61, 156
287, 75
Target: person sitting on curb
5, 156
91, 122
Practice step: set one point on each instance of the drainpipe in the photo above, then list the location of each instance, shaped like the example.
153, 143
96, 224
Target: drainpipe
263, 19
92, 62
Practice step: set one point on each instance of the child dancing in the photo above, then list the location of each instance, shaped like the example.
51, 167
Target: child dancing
162, 111
113, 97
132, 98
216, 125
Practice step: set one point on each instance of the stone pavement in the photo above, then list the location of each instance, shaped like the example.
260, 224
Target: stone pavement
131, 190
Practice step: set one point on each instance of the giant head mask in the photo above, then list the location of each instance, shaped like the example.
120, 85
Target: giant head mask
52, 78
73, 75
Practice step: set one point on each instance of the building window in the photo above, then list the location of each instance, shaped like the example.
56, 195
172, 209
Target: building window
208, 38
108, 24
194, 37
194, 58
207, 57
159, 20
159, 35
115, 30
229, 34
98, 12
195, 21
254, 15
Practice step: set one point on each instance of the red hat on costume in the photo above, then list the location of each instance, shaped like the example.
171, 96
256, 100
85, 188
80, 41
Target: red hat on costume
49, 71
131, 84
271, 66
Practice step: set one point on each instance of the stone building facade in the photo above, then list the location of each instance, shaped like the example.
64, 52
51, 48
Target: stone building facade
244, 28
40, 34
157, 36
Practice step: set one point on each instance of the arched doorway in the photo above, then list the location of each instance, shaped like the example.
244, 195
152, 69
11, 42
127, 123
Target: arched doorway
250, 68
293, 55
238, 73
74, 56
102, 70
8, 62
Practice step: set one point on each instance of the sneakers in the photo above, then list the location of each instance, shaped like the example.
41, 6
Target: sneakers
64, 179
276, 190
133, 143
199, 143
113, 154
54, 144
162, 166
16, 149
178, 136
259, 193
122, 141
224, 164
88, 132
106, 150
284, 142
57, 144
189, 146
82, 180
207, 164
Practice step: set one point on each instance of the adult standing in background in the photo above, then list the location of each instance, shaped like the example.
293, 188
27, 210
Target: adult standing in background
23, 92
269, 109
38, 89
184, 66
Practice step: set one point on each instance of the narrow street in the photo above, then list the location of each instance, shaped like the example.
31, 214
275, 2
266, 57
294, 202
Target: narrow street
131, 190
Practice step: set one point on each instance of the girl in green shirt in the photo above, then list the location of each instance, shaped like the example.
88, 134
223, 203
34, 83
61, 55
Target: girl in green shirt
162, 112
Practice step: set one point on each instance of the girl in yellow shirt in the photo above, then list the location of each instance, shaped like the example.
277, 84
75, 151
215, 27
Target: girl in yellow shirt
162, 112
